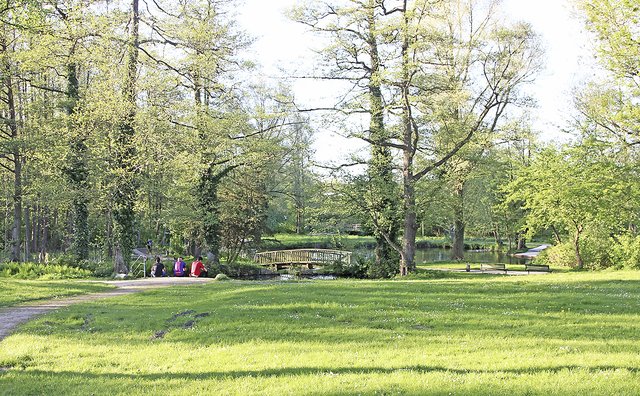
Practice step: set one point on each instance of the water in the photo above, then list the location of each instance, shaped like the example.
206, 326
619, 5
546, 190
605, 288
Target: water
436, 255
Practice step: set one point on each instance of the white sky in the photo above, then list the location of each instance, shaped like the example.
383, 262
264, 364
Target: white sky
284, 45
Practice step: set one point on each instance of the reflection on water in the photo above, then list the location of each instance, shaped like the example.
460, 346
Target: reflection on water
435, 255
474, 256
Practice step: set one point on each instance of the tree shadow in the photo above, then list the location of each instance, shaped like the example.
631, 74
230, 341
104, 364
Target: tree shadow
366, 312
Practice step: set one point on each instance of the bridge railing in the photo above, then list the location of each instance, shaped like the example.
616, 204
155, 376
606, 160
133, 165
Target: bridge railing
302, 256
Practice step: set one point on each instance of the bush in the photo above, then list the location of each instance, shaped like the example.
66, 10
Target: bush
561, 255
597, 251
42, 271
357, 268
296, 270
386, 269
625, 252
221, 278
98, 268
235, 270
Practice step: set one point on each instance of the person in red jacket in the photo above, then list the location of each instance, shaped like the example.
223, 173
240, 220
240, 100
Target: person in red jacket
198, 269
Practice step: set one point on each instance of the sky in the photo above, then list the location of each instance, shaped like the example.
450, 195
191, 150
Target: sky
282, 45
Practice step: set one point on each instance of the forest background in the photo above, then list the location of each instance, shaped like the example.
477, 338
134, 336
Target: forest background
128, 121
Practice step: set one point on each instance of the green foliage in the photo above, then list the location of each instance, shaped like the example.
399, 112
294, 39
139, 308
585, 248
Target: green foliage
42, 271
615, 22
359, 267
221, 278
579, 191
16, 291
99, 269
236, 269
625, 251
598, 252
608, 106
560, 255
383, 268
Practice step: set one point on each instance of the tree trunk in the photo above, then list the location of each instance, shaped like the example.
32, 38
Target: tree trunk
27, 233
576, 247
383, 200
497, 237
457, 251
77, 171
521, 241
15, 157
124, 197
407, 263
556, 234
44, 241
16, 230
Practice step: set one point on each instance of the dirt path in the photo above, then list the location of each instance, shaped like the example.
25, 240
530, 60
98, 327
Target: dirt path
12, 317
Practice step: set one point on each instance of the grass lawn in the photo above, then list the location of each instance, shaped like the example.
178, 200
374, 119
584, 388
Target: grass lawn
557, 334
14, 291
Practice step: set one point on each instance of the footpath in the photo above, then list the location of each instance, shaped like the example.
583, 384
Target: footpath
12, 317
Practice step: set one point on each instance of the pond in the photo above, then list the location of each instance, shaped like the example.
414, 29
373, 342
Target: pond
436, 255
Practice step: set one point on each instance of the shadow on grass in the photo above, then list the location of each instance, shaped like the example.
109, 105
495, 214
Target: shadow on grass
315, 371
359, 312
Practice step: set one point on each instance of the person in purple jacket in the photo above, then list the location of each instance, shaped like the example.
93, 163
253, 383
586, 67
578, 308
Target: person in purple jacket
180, 267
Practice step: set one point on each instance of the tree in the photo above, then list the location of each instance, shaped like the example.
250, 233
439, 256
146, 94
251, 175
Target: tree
457, 72
610, 107
12, 148
576, 189
356, 56
124, 152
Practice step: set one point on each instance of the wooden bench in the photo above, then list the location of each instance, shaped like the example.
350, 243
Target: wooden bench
536, 267
499, 267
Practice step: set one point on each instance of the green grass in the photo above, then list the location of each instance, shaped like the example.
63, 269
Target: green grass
14, 291
557, 334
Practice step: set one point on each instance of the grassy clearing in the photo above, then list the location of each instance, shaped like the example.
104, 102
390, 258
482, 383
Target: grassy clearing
15, 291
558, 334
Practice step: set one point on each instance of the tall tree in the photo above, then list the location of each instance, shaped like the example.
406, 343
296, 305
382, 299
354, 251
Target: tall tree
458, 70
356, 55
124, 153
577, 190
609, 106
71, 37
12, 151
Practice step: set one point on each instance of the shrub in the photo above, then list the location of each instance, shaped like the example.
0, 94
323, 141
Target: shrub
625, 251
221, 278
596, 250
386, 269
235, 270
42, 271
357, 268
561, 255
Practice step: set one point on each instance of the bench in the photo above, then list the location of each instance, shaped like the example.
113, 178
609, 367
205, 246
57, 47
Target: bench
536, 267
500, 267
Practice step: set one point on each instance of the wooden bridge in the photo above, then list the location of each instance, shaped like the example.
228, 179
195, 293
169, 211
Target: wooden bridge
308, 257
